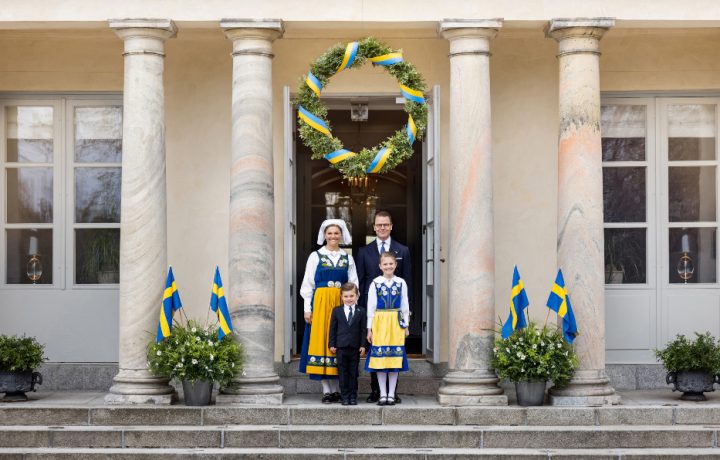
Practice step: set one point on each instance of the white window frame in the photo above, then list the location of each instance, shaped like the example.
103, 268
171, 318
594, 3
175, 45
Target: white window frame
650, 192
663, 176
63, 226
664, 299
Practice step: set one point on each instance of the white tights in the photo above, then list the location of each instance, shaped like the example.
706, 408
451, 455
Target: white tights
383, 378
333, 385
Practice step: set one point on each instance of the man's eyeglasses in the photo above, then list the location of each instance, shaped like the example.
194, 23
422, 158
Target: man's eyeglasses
383, 225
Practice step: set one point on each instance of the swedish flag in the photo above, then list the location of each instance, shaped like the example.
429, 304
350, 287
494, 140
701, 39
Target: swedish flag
518, 302
170, 304
218, 304
559, 302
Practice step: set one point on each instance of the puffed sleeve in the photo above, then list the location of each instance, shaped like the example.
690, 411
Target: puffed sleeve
352, 271
307, 288
404, 303
371, 304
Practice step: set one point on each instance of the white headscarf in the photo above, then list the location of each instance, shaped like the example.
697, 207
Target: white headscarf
347, 239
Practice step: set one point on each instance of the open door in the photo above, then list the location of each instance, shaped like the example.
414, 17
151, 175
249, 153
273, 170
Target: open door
290, 226
431, 230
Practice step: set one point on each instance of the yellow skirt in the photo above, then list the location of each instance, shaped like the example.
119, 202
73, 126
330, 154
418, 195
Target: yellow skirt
320, 360
387, 351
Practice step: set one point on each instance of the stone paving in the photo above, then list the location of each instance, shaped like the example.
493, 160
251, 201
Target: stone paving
659, 398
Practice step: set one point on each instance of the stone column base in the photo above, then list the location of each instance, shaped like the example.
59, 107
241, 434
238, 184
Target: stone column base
257, 390
471, 388
587, 388
140, 387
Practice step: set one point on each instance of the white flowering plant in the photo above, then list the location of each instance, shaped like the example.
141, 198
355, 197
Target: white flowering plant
532, 353
193, 353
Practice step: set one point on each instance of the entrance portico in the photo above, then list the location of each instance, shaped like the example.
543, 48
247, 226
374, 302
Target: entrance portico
209, 101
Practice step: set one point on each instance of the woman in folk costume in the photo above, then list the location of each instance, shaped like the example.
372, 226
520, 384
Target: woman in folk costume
326, 270
388, 316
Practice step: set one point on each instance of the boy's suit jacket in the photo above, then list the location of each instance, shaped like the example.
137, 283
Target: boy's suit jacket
343, 334
367, 263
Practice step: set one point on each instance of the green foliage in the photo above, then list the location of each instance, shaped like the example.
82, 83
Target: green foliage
682, 354
194, 353
324, 68
20, 354
535, 354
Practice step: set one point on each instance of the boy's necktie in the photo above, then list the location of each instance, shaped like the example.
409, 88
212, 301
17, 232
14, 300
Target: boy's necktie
350, 315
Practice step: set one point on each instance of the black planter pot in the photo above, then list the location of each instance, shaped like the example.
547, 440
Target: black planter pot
197, 393
692, 383
15, 384
530, 393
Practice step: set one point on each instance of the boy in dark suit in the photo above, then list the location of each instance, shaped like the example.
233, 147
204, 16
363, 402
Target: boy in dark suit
348, 340
368, 268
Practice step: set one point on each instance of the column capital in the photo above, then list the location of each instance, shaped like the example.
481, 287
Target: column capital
560, 28
268, 29
160, 28
144, 36
452, 29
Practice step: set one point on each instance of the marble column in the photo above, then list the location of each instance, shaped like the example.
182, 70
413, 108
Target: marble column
143, 226
251, 279
580, 204
471, 262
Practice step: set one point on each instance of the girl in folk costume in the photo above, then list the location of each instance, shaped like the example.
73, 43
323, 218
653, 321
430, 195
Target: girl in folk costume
388, 316
326, 270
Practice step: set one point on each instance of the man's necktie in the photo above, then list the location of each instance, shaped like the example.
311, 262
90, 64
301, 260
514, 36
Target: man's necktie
382, 247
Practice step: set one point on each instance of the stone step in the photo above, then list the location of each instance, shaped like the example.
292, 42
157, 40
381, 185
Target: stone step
359, 454
414, 412
355, 437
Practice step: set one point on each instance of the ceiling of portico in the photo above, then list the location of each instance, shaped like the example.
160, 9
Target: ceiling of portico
332, 16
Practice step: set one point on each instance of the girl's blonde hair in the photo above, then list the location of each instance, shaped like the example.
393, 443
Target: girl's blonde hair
388, 255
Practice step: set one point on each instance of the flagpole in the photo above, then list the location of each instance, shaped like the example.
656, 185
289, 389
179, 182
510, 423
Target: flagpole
546, 318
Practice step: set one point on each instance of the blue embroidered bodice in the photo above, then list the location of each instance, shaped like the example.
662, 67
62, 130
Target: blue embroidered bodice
388, 297
327, 273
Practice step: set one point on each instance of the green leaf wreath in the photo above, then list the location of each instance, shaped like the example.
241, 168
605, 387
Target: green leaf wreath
327, 65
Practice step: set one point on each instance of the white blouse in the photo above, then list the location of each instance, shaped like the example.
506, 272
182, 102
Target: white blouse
307, 288
372, 298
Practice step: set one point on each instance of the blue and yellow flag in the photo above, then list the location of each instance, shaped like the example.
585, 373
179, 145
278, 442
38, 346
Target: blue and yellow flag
559, 302
518, 303
218, 304
170, 304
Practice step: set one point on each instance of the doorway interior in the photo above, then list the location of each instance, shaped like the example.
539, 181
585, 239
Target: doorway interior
322, 193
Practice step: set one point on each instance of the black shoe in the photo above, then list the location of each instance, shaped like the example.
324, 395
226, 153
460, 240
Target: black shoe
345, 402
390, 401
397, 399
336, 397
327, 398
382, 401
353, 402
373, 398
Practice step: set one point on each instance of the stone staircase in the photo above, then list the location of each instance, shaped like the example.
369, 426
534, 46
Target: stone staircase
416, 430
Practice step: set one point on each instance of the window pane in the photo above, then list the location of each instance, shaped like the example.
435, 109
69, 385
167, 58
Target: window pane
691, 132
623, 132
692, 255
29, 195
691, 194
97, 195
22, 244
97, 256
98, 134
625, 255
29, 134
624, 194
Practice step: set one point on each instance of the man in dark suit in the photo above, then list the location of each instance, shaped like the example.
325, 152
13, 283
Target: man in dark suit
348, 340
367, 263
